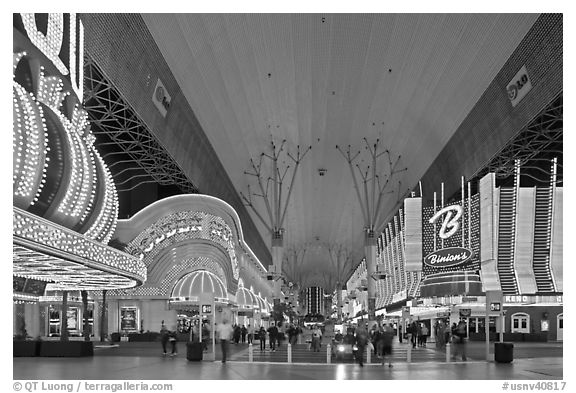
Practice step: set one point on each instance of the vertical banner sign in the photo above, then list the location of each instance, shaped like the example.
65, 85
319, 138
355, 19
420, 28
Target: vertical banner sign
413, 234
405, 313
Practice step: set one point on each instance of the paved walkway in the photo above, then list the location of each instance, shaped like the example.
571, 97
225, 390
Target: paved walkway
178, 368
142, 361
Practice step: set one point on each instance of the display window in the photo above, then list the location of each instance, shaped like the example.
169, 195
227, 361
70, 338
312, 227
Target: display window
128, 318
520, 323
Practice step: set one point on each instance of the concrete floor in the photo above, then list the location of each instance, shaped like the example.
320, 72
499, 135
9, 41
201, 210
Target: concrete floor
178, 368
143, 361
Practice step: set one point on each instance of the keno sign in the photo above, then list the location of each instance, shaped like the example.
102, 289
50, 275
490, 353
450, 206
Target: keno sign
448, 257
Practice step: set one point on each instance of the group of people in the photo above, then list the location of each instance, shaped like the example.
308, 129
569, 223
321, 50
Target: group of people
418, 333
240, 334
379, 339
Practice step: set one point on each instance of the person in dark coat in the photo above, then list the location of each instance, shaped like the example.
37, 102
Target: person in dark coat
262, 338
413, 333
273, 336
387, 336
237, 334
361, 342
164, 336
243, 332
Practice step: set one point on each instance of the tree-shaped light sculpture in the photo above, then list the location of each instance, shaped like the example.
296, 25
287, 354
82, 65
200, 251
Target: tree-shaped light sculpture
271, 186
377, 182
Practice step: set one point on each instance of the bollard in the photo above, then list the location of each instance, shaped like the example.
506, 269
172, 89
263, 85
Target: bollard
368, 355
447, 352
328, 353
409, 353
250, 353
289, 353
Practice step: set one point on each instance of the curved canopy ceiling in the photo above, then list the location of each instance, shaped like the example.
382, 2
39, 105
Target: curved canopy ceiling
323, 80
197, 283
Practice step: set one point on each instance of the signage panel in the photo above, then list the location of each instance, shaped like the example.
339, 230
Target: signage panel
128, 318
447, 257
495, 306
206, 309
161, 98
72, 318
519, 86
465, 312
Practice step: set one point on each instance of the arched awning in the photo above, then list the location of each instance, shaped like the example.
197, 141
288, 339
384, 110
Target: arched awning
191, 288
264, 305
246, 299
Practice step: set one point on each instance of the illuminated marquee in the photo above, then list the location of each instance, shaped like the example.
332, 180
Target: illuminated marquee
65, 203
57, 172
178, 227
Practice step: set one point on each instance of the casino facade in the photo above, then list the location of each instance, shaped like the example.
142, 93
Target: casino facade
181, 257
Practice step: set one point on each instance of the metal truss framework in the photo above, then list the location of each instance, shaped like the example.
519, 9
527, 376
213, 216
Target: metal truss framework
534, 148
120, 132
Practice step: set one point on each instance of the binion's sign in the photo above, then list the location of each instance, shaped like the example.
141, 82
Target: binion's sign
448, 257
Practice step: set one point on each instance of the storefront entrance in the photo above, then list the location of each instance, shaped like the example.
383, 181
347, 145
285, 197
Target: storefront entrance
560, 327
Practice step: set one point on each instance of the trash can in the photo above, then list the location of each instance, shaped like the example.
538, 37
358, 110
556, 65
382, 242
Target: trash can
503, 352
194, 351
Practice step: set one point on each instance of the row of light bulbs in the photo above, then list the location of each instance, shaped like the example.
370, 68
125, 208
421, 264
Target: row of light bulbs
66, 240
29, 145
30, 148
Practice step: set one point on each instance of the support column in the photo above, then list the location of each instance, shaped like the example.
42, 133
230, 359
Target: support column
370, 252
104, 318
339, 301
64, 317
277, 254
32, 319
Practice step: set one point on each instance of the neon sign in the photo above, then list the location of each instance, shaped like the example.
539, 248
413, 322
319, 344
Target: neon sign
450, 225
448, 257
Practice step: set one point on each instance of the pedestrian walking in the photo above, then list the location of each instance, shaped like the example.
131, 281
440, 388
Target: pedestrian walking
250, 333
164, 337
243, 332
316, 337
225, 332
387, 338
173, 339
361, 343
262, 338
424, 334
272, 336
419, 333
413, 333
459, 340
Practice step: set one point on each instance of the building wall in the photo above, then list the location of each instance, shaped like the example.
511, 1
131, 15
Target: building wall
124, 49
536, 314
494, 121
